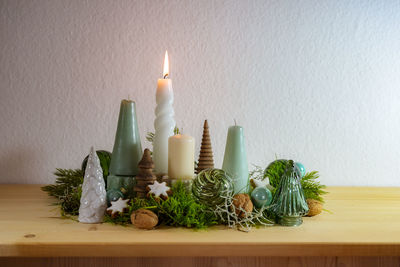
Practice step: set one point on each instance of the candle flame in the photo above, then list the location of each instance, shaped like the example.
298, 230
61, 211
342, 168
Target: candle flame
166, 66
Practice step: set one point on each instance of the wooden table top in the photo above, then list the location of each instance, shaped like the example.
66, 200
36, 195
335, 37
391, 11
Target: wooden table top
364, 221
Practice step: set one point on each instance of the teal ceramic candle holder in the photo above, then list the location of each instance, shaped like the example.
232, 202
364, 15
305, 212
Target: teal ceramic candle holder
126, 154
120, 186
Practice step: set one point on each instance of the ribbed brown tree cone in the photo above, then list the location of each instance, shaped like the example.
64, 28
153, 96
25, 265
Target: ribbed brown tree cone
145, 176
206, 160
205, 165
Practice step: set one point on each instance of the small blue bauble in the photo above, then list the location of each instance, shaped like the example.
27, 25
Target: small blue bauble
302, 170
261, 197
114, 195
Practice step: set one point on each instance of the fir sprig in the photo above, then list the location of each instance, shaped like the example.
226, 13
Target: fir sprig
67, 189
312, 188
150, 135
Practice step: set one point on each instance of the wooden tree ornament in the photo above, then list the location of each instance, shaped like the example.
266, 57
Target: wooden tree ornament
145, 176
206, 160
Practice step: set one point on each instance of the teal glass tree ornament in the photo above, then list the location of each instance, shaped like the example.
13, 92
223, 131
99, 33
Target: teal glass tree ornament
289, 203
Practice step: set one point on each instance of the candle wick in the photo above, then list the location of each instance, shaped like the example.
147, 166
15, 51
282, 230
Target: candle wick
235, 121
129, 97
166, 76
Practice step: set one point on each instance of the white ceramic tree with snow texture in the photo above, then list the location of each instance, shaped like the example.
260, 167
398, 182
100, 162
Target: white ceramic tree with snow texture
93, 199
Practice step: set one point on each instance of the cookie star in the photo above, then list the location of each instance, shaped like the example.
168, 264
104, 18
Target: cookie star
118, 206
159, 189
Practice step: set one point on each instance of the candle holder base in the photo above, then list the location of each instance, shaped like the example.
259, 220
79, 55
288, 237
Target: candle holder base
163, 177
290, 220
118, 186
187, 183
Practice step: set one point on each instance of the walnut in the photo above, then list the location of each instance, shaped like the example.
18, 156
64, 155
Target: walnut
144, 219
314, 207
243, 205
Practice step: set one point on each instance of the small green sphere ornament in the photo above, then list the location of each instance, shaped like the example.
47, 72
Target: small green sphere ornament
300, 167
212, 186
261, 197
114, 195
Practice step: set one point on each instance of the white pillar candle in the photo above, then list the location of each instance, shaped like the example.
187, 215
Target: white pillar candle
164, 123
181, 157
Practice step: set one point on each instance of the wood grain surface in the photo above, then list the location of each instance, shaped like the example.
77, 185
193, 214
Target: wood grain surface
361, 222
206, 261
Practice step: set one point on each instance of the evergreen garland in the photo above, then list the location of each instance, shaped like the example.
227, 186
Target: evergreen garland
180, 209
67, 189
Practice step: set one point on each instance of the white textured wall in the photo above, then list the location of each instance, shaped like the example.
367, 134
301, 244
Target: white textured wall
316, 81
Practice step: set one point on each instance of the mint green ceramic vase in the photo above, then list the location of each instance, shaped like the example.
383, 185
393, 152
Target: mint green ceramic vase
126, 154
235, 159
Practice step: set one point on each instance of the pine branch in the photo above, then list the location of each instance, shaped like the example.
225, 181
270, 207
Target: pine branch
67, 189
150, 135
176, 130
311, 187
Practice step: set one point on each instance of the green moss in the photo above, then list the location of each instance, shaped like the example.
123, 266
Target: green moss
180, 209
274, 171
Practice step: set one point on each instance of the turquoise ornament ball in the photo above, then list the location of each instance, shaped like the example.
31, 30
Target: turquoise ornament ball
301, 169
114, 195
261, 197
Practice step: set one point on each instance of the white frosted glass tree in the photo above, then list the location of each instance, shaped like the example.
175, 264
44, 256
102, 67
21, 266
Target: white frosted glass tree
93, 199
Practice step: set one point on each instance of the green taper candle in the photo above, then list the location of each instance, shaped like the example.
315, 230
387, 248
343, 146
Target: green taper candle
235, 159
126, 154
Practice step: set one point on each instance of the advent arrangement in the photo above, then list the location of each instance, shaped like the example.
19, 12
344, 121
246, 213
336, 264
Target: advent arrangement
166, 186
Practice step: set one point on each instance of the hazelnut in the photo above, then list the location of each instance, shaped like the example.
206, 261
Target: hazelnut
314, 207
144, 219
243, 205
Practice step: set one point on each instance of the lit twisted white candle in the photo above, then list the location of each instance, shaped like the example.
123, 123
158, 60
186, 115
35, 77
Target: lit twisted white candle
164, 123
